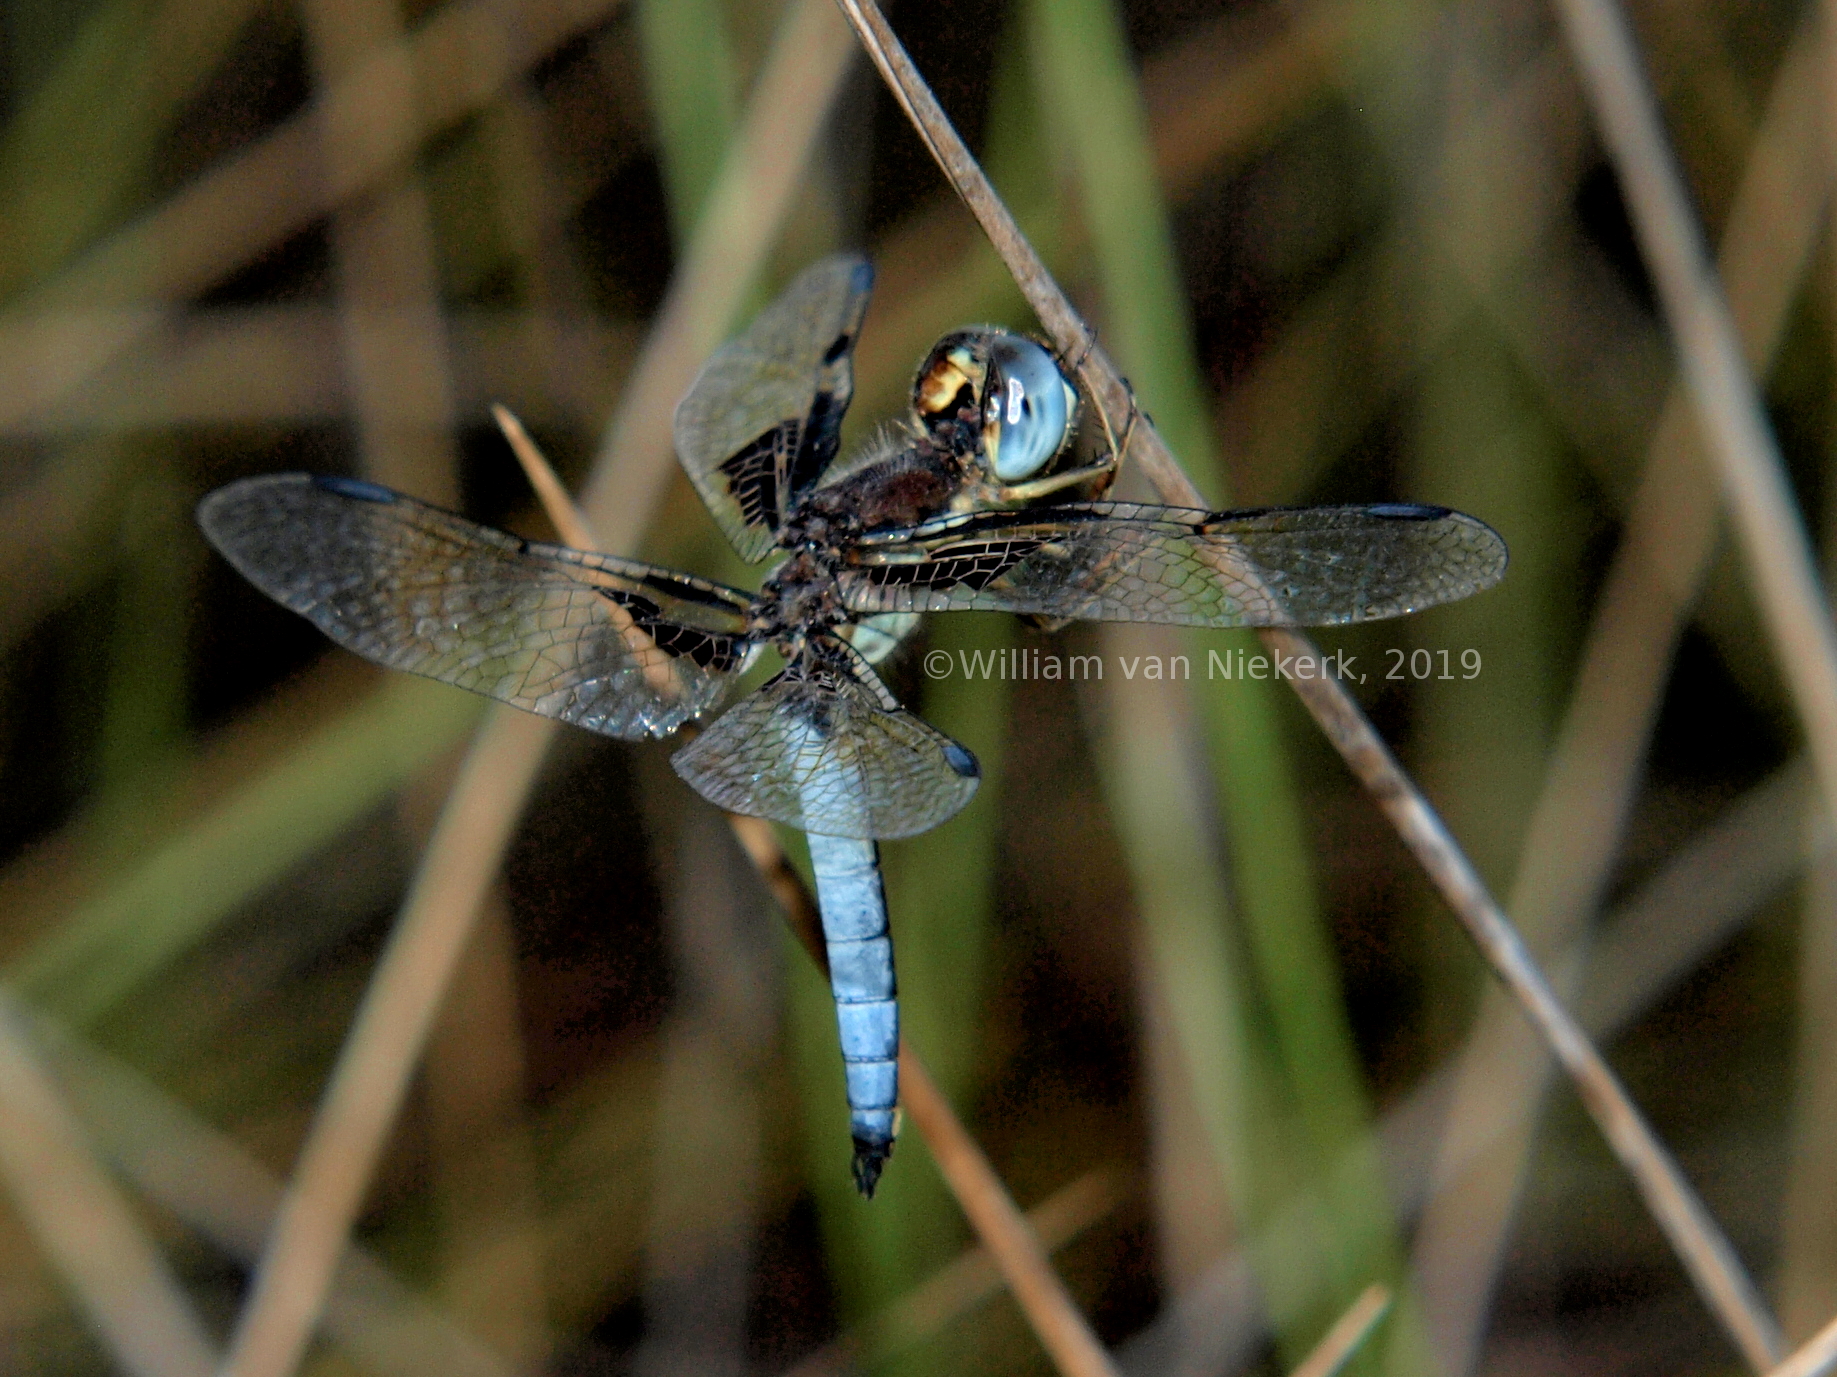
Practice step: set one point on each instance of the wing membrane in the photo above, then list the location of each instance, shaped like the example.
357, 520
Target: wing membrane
824, 747
762, 420
1106, 561
615, 646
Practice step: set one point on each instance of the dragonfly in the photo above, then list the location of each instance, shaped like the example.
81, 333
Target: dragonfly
942, 510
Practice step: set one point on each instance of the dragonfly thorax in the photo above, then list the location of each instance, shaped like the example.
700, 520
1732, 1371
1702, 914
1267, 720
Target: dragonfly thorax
798, 599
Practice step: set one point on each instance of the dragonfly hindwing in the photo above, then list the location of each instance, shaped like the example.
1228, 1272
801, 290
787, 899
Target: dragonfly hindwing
825, 748
1112, 561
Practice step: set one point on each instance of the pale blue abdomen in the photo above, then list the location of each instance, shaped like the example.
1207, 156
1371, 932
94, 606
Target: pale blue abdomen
854, 910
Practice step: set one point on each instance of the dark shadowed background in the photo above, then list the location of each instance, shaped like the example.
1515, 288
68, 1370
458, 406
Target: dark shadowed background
1172, 966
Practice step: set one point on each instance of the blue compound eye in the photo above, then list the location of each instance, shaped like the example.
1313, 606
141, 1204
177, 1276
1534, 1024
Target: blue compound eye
1029, 405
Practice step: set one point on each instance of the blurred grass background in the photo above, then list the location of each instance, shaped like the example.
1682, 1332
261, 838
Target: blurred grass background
1171, 966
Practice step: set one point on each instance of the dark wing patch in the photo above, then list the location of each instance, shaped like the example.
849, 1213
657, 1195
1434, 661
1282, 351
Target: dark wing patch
618, 647
1106, 561
763, 418
825, 748
751, 476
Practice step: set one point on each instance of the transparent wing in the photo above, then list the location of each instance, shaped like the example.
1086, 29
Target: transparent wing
1107, 561
761, 421
612, 645
824, 747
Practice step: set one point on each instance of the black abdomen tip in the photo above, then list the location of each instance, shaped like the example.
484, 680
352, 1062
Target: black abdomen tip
870, 1157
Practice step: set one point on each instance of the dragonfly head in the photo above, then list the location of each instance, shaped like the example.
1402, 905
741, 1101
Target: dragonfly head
998, 396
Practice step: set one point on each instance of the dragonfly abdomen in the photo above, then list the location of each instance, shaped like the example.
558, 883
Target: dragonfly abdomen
854, 910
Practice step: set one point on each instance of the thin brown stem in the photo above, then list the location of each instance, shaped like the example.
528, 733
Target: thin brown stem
562, 513
1001, 1226
1339, 1343
1568, 851
1706, 1253
88, 1231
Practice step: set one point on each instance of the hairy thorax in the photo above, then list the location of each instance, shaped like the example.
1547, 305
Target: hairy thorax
799, 599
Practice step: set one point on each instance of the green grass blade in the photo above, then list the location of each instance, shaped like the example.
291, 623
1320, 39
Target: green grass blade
1089, 87
693, 83
176, 895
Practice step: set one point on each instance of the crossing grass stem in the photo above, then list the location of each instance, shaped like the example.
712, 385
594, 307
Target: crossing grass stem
1705, 1251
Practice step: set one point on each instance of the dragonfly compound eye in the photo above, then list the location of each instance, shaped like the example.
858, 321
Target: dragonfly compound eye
1030, 409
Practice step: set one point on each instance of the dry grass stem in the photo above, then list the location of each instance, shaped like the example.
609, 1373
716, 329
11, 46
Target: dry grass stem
563, 515
1697, 901
1569, 848
998, 1221
760, 842
1699, 1242
87, 1229
973, 1276
384, 1045
1729, 408
1817, 1357
991, 1211
1339, 1343
217, 1188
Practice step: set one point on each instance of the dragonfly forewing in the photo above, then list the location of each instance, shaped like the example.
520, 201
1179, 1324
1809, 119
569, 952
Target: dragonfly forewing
1314, 566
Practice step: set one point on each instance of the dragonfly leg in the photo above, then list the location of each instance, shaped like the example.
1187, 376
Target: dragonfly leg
1042, 487
854, 910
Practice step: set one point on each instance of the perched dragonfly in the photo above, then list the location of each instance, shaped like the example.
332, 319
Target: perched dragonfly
927, 516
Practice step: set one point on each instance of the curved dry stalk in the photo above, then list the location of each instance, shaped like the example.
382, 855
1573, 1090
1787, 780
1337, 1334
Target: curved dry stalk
1001, 1226
1699, 1242
206, 1179
379, 1056
1729, 409
1339, 1343
87, 1230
